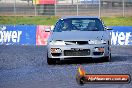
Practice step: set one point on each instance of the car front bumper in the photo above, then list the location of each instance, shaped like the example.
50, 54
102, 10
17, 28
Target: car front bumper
78, 50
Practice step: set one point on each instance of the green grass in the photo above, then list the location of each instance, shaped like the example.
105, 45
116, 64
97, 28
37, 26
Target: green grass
117, 21
40, 20
51, 20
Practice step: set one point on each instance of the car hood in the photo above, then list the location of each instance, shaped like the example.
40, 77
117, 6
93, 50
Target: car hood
80, 35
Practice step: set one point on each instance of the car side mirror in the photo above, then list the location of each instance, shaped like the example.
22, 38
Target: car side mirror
47, 30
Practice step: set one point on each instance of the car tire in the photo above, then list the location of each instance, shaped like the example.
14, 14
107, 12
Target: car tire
51, 61
107, 58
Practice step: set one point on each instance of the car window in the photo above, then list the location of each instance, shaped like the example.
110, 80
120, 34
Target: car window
79, 24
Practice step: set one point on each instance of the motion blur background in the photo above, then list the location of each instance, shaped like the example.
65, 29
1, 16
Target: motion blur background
66, 7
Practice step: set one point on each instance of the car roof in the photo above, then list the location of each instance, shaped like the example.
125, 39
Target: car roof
66, 17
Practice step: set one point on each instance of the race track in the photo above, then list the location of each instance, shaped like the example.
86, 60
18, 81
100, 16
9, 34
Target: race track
26, 67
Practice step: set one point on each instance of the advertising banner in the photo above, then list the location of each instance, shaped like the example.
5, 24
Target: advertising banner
42, 35
44, 2
38, 35
121, 35
19, 34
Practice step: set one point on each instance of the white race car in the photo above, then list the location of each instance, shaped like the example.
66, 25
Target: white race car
78, 36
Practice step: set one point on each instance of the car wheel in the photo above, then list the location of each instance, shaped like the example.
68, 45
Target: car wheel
107, 59
51, 61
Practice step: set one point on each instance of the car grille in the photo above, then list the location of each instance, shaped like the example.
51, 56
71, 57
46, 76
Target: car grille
77, 52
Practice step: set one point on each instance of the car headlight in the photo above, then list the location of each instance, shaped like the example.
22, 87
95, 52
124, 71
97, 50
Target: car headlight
57, 43
97, 42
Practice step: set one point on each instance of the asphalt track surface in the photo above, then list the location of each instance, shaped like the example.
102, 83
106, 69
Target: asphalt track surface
26, 67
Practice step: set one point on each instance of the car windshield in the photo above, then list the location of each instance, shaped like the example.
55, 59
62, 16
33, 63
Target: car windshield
79, 24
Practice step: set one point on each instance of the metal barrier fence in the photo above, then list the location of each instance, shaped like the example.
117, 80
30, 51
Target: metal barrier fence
66, 7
